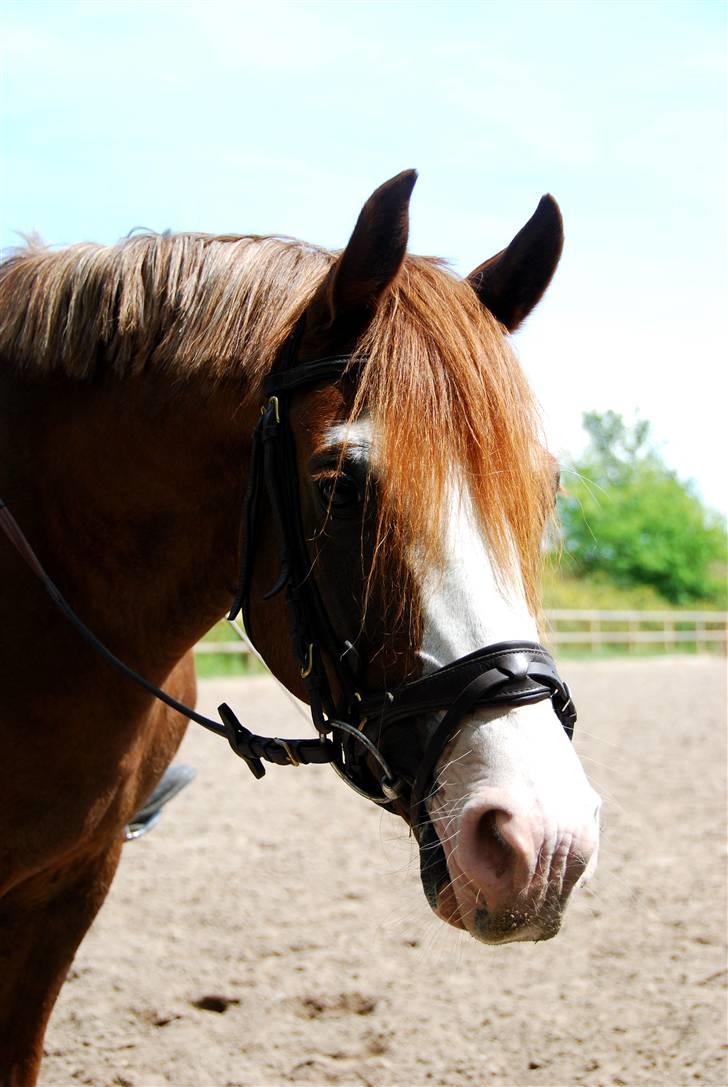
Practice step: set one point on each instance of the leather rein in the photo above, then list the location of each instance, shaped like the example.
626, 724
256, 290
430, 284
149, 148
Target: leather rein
385, 744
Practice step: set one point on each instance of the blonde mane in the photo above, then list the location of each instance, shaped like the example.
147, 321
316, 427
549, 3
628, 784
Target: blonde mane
190, 303
441, 382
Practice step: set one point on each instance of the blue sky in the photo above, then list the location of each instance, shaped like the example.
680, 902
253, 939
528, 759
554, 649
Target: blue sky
283, 116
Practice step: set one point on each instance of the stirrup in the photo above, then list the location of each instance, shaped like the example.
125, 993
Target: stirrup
173, 780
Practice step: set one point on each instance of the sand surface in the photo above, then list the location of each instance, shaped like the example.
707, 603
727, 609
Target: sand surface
275, 932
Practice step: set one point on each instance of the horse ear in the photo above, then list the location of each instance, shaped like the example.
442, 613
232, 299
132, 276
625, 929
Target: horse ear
513, 281
349, 294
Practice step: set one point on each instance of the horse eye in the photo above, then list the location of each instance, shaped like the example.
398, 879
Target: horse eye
340, 494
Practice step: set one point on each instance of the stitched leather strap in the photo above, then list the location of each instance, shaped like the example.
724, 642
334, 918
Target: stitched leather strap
518, 673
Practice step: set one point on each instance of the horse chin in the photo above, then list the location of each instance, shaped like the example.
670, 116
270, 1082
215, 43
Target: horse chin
521, 924
464, 909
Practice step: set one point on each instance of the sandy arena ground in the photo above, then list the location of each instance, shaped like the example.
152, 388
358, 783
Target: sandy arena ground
275, 932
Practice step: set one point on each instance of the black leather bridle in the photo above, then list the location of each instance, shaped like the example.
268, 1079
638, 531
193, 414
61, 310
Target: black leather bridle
385, 744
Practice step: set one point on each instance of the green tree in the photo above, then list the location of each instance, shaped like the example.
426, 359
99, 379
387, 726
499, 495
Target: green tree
626, 515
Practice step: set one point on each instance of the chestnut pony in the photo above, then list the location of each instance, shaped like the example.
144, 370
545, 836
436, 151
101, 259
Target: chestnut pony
131, 382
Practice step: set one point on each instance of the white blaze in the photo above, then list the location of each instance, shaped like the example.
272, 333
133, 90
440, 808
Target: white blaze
521, 760
466, 605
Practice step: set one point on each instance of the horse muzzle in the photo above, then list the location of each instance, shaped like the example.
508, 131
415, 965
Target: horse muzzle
513, 828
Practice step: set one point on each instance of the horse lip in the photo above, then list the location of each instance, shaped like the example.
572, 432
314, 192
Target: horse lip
446, 913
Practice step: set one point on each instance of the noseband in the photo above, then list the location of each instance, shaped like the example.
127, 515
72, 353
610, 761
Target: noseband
385, 744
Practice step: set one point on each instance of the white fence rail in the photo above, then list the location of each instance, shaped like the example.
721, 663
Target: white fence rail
670, 629
595, 629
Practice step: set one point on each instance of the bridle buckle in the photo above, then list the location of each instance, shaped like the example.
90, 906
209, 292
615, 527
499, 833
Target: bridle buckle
292, 760
307, 668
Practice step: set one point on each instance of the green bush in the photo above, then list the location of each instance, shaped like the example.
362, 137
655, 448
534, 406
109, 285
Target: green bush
626, 517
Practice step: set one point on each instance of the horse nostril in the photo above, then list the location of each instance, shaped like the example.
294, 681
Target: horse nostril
493, 850
496, 853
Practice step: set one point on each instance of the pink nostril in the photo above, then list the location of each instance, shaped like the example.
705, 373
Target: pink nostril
496, 853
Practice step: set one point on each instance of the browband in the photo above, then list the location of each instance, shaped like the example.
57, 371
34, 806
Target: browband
303, 374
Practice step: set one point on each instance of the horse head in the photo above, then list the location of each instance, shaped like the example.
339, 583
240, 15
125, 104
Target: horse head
421, 493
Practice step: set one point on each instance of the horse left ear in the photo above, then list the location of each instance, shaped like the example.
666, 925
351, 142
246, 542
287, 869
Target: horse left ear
513, 281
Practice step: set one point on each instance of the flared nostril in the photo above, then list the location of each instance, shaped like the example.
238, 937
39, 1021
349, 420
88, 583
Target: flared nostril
492, 849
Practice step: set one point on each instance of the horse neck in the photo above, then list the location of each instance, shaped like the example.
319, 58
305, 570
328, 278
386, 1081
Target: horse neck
131, 493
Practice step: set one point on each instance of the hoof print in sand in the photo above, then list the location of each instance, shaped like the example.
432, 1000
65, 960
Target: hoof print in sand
322, 1007
214, 1003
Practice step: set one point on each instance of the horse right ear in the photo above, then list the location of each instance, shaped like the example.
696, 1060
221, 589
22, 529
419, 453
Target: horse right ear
513, 281
350, 292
